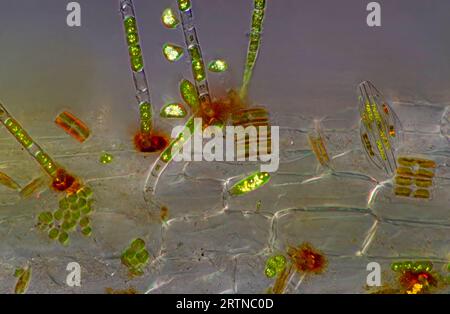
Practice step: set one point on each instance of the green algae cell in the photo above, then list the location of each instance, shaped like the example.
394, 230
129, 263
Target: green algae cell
63, 238
53, 234
143, 257
184, 5
137, 63
251, 183
106, 158
173, 111
172, 52
169, 18
45, 218
87, 231
135, 50
189, 94
138, 245
218, 66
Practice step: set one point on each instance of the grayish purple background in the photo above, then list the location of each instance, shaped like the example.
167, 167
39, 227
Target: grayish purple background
313, 55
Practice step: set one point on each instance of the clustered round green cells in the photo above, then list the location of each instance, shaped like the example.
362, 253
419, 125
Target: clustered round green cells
136, 257
172, 52
218, 66
74, 209
418, 266
106, 158
169, 18
134, 49
275, 265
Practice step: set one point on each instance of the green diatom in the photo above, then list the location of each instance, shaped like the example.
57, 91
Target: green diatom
46, 218
106, 158
135, 51
218, 66
172, 52
189, 94
184, 5
137, 63
138, 245
143, 257
173, 111
169, 18
53, 234
87, 231
63, 238
251, 183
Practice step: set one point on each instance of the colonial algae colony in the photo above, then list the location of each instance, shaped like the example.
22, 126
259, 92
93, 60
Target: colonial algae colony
139, 222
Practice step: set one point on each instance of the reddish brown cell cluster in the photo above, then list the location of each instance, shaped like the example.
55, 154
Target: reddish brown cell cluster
149, 143
219, 111
307, 259
63, 181
409, 279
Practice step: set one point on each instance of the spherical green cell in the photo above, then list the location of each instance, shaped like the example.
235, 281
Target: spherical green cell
184, 5
81, 202
218, 66
270, 272
45, 218
53, 234
172, 52
138, 245
72, 198
397, 266
76, 215
67, 215
86, 231
106, 158
63, 238
137, 63
86, 210
58, 214
74, 206
84, 222
407, 265
135, 51
169, 18
143, 257
68, 225
87, 191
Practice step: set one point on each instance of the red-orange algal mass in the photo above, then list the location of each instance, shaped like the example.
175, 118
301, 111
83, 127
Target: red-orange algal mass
409, 278
149, 143
63, 181
219, 111
307, 259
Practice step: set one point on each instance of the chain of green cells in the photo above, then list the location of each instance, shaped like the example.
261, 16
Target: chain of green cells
44, 160
137, 65
253, 45
202, 90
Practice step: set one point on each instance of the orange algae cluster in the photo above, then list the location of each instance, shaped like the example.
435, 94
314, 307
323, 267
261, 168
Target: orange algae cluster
219, 111
307, 259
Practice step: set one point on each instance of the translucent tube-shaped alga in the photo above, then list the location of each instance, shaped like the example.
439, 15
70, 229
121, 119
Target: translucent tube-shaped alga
254, 44
61, 179
137, 65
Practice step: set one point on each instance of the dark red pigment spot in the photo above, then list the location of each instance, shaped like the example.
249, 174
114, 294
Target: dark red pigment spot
307, 259
63, 181
409, 278
149, 143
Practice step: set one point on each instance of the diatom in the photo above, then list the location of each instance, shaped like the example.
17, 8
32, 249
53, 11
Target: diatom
251, 183
73, 126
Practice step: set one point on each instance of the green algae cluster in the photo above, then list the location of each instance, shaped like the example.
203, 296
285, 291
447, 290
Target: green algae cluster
136, 257
73, 213
275, 265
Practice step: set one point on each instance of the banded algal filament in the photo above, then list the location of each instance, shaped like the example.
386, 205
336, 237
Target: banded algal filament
379, 128
137, 65
254, 45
